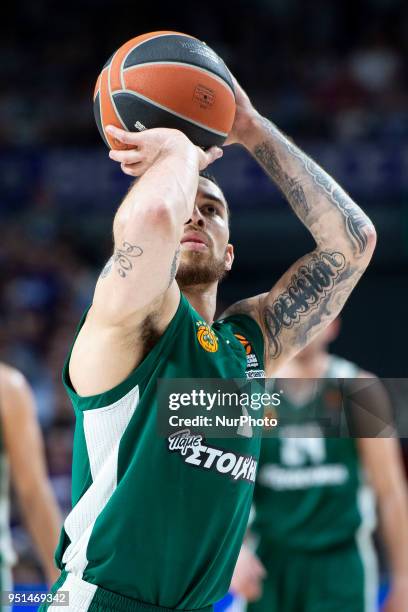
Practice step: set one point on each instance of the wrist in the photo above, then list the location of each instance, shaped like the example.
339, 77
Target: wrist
180, 151
257, 128
247, 126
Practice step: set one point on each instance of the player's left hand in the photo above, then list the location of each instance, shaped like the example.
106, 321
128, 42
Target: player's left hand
397, 601
244, 113
144, 148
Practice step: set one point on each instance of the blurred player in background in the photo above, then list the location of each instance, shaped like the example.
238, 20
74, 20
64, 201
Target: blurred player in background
144, 530
21, 449
314, 508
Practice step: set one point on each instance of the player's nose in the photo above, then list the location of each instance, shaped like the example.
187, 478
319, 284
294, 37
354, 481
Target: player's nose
197, 218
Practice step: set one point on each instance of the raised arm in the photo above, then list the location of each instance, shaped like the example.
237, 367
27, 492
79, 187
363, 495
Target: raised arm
149, 223
314, 289
136, 296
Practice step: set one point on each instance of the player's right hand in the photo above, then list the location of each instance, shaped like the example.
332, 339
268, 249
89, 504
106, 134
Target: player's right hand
144, 148
248, 575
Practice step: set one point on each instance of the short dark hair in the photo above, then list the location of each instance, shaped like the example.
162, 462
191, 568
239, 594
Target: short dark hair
207, 175
210, 177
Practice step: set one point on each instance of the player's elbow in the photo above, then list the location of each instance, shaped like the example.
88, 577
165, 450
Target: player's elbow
162, 215
368, 245
364, 242
372, 237
157, 217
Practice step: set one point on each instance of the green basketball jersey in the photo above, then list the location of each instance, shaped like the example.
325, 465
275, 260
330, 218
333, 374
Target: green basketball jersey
152, 519
310, 492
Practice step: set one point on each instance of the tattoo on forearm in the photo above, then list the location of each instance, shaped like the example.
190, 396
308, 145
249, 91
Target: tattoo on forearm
123, 257
310, 285
291, 188
356, 221
174, 264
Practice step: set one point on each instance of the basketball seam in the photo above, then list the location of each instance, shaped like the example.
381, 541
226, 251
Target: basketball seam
100, 108
132, 49
169, 110
110, 94
184, 64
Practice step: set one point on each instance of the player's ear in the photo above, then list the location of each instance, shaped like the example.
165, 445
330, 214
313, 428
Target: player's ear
229, 257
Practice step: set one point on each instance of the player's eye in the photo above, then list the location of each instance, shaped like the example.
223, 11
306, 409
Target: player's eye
210, 209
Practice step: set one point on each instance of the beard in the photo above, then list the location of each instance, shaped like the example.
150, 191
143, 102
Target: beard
198, 269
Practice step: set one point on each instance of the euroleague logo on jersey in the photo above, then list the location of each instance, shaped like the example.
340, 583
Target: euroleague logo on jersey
245, 343
251, 358
194, 452
206, 337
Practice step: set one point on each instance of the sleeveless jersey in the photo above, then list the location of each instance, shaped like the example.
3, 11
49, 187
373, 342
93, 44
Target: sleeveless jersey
310, 492
152, 520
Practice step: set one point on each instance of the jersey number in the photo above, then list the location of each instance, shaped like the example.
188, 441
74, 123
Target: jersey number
298, 451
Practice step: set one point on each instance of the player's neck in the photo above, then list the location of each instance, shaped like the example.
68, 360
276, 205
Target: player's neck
203, 299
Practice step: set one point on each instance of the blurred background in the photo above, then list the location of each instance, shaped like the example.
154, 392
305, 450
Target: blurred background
332, 74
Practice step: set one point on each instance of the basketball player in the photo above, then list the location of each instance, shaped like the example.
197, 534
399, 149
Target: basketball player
314, 512
21, 449
155, 521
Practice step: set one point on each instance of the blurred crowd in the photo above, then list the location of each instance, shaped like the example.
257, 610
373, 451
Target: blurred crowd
45, 285
323, 69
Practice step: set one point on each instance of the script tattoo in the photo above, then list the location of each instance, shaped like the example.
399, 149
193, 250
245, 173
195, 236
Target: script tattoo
123, 257
309, 286
291, 188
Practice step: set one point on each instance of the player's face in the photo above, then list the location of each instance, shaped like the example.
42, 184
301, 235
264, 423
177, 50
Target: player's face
205, 254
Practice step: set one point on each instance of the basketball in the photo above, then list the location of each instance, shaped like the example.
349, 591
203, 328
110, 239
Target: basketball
165, 79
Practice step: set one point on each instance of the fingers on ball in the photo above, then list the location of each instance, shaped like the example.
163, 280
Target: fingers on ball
126, 156
123, 136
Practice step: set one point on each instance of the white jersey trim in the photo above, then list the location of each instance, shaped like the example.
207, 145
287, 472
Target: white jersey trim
103, 429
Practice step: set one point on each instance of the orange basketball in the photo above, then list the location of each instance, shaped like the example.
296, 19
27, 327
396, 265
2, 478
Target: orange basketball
166, 79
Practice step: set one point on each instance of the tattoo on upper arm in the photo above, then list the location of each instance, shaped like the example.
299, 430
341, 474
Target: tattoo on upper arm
123, 258
174, 263
310, 286
356, 221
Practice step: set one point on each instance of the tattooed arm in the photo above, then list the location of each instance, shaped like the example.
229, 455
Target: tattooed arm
136, 297
149, 223
313, 291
